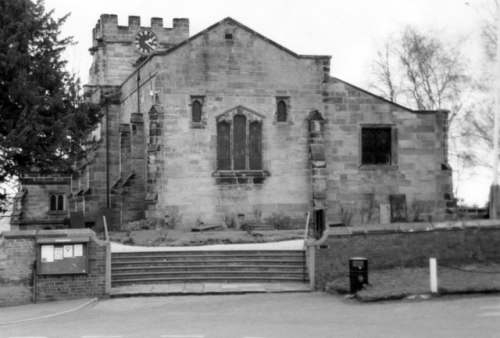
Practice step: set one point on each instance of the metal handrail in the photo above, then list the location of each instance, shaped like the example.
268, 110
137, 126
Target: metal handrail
307, 227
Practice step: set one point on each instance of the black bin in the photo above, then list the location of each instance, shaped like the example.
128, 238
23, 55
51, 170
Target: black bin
358, 273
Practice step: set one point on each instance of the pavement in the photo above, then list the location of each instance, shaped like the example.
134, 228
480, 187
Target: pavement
205, 289
24, 313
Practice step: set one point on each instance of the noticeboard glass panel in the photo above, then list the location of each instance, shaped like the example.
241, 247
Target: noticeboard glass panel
60, 258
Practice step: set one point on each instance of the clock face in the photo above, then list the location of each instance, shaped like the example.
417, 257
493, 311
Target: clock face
146, 41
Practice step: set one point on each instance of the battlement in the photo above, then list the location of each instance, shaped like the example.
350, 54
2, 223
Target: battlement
108, 30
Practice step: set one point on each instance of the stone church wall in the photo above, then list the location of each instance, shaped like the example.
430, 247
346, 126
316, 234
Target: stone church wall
245, 71
419, 171
150, 159
32, 205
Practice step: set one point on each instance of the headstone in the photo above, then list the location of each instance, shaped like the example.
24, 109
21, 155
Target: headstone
398, 208
385, 213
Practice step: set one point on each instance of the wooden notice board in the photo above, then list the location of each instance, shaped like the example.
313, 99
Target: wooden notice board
62, 256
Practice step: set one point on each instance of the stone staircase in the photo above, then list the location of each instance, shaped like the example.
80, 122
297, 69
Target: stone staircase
208, 267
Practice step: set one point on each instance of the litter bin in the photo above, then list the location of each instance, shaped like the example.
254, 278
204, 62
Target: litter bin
358, 273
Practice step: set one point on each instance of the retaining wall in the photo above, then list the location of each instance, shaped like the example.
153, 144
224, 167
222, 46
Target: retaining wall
402, 245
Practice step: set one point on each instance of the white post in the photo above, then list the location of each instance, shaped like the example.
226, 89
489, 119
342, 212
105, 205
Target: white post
433, 275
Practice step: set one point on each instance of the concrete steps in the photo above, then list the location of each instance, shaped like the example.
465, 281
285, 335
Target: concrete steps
207, 267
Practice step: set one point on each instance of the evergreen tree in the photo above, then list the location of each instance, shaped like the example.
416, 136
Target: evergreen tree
44, 122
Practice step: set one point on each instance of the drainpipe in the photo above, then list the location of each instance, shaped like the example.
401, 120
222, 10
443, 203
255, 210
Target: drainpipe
107, 156
34, 278
138, 92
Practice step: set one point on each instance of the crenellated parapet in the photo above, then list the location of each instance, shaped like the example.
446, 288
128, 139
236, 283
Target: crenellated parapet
114, 52
108, 30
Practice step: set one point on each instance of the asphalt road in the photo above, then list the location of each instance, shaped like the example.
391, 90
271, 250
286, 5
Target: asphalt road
300, 315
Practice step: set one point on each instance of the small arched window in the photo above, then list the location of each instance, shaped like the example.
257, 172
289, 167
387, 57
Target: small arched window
53, 203
196, 111
60, 202
281, 116
57, 202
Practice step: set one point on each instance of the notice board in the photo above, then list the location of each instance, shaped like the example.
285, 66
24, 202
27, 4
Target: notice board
62, 256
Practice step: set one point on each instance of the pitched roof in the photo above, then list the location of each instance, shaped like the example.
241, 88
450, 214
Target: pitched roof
236, 23
248, 29
386, 100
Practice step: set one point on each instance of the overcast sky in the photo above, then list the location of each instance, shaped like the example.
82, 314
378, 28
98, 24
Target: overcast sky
345, 29
348, 30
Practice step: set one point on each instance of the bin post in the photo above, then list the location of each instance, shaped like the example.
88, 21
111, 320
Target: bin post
358, 273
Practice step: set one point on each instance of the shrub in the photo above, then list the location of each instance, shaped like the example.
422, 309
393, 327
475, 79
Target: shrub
280, 221
346, 216
142, 224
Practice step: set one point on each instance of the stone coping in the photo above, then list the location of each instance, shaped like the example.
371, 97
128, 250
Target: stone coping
374, 229
48, 233
292, 245
61, 233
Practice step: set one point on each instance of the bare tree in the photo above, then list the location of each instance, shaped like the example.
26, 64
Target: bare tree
383, 65
426, 72
477, 131
421, 71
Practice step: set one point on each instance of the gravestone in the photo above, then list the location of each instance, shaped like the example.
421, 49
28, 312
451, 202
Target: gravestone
398, 208
385, 213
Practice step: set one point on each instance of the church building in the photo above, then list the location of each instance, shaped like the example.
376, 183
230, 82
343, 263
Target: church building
227, 125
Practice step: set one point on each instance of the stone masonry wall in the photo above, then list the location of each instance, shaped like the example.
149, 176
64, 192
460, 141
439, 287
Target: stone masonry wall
418, 172
245, 71
17, 257
100, 168
404, 246
35, 202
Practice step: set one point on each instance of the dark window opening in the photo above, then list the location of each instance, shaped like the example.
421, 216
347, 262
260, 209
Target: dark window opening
228, 36
56, 202
196, 111
60, 202
240, 142
223, 146
239, 145
376, 146
319, 223
53, 203
255, 146
281, 115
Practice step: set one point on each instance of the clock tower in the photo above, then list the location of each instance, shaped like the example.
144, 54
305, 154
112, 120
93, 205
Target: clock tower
116, 49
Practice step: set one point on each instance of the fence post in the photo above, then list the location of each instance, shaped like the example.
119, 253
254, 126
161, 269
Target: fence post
433, 275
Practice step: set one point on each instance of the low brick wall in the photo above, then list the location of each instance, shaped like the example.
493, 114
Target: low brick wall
17, 258
405, 245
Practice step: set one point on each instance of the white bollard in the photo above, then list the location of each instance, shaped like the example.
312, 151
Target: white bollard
433, 275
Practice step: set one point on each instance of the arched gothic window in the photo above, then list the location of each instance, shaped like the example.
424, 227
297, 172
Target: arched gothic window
282, 111
239, 144
196, 111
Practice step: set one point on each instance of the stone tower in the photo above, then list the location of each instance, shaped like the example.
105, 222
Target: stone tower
115, 59
114, 54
